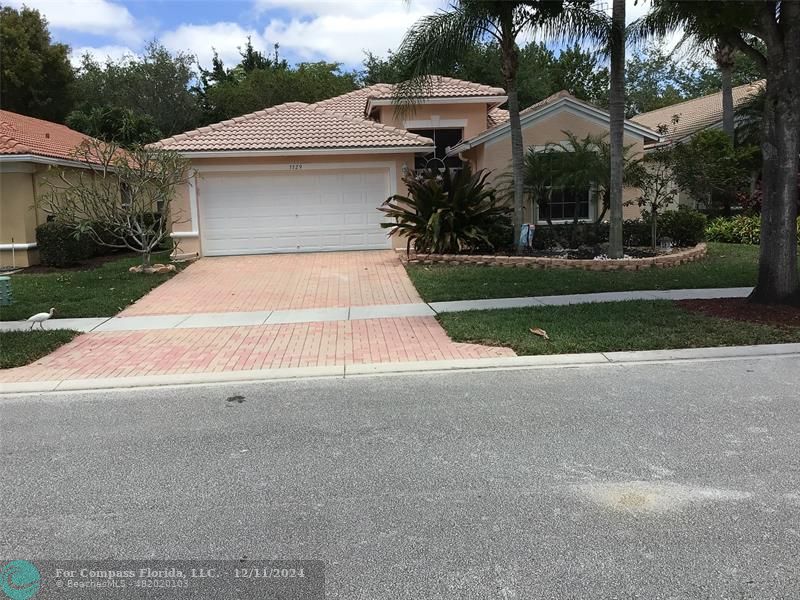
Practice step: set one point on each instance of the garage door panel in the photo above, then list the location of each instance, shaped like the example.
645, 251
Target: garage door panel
248, 213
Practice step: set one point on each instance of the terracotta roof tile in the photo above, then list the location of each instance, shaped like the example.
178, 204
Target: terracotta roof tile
354, 103
495, 117
443, 87
695, 114
294, 126
20, 134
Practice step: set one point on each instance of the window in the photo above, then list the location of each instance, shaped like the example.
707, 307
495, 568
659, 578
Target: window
126, 195
442, 139
565, 204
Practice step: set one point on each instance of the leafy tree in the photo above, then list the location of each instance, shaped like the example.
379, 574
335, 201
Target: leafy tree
541, 73
653, 176
654, 80
435, 42
156, 85
35, 74
583, 74
712, 170
114, 124
769, 33
260, 81
122, 199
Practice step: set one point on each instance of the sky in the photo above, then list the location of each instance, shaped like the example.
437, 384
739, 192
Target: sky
307, 30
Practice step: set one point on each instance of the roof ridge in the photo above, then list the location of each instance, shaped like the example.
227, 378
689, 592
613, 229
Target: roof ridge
757, 82
222, 124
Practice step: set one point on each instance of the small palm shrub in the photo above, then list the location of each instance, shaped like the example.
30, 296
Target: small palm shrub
446, 212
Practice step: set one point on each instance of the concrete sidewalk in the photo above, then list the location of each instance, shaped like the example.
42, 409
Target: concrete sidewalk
357, 313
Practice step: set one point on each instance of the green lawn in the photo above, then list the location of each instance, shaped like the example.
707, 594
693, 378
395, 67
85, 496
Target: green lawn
19, 348
606, 327
727, 265
99, 292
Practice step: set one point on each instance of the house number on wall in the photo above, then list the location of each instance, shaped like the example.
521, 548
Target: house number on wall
295, 167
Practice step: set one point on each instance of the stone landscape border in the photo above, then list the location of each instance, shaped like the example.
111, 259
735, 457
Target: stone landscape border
673, 259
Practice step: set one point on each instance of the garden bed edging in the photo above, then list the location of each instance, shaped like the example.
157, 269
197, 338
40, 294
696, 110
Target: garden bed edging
539, 262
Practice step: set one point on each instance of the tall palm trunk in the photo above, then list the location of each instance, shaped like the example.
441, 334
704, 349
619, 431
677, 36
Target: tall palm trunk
616, 109
723, 56
778, 280
509, 68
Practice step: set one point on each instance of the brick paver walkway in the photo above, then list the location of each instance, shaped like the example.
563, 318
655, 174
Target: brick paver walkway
282, 282
161, 352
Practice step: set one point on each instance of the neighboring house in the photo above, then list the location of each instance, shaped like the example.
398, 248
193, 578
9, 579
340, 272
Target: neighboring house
697, 114
28, 149
679, 122
306, 177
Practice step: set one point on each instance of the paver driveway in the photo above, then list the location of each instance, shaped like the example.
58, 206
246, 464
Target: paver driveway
282, 282
263, 283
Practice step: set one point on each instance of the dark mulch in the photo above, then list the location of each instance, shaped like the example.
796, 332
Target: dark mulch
740, 309
86, 265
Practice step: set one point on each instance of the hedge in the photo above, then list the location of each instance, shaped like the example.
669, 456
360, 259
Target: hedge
59, 246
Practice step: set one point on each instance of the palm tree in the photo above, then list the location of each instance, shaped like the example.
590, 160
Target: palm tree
616, 109
438, 41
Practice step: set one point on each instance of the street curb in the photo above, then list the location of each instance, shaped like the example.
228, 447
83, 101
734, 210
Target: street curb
552, 361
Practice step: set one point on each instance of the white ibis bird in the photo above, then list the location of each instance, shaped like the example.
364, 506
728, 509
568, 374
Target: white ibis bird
40, 318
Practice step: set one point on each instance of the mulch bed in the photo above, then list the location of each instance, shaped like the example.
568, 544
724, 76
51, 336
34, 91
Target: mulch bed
740, 309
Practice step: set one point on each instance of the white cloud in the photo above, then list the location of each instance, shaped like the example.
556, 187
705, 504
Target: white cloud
202, 40
341, 31
98, 17
100, 53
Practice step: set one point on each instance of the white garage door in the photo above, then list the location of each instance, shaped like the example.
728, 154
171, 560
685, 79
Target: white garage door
285, 211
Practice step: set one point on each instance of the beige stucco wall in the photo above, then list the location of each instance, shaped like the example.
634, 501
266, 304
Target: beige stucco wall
20, 187
473, 114
495, 155
182, 205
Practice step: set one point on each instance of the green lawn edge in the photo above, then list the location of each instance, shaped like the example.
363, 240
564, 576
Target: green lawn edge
607, 327
102, 291
727, 265
20, 348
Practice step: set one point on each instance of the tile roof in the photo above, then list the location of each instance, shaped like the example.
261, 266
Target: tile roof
444, 87
696, 114
20, 134
495, 117
355, 103
294, 126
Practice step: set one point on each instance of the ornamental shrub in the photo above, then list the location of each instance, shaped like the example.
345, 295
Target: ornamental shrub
61, 245
741, 229
685, 226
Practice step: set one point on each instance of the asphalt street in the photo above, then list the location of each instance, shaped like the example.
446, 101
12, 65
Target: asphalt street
674, 480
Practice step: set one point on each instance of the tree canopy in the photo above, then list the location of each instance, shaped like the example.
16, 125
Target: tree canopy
35, 73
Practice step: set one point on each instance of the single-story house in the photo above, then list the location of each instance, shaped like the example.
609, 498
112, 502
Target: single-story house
29, 147
309, 177
679, 122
